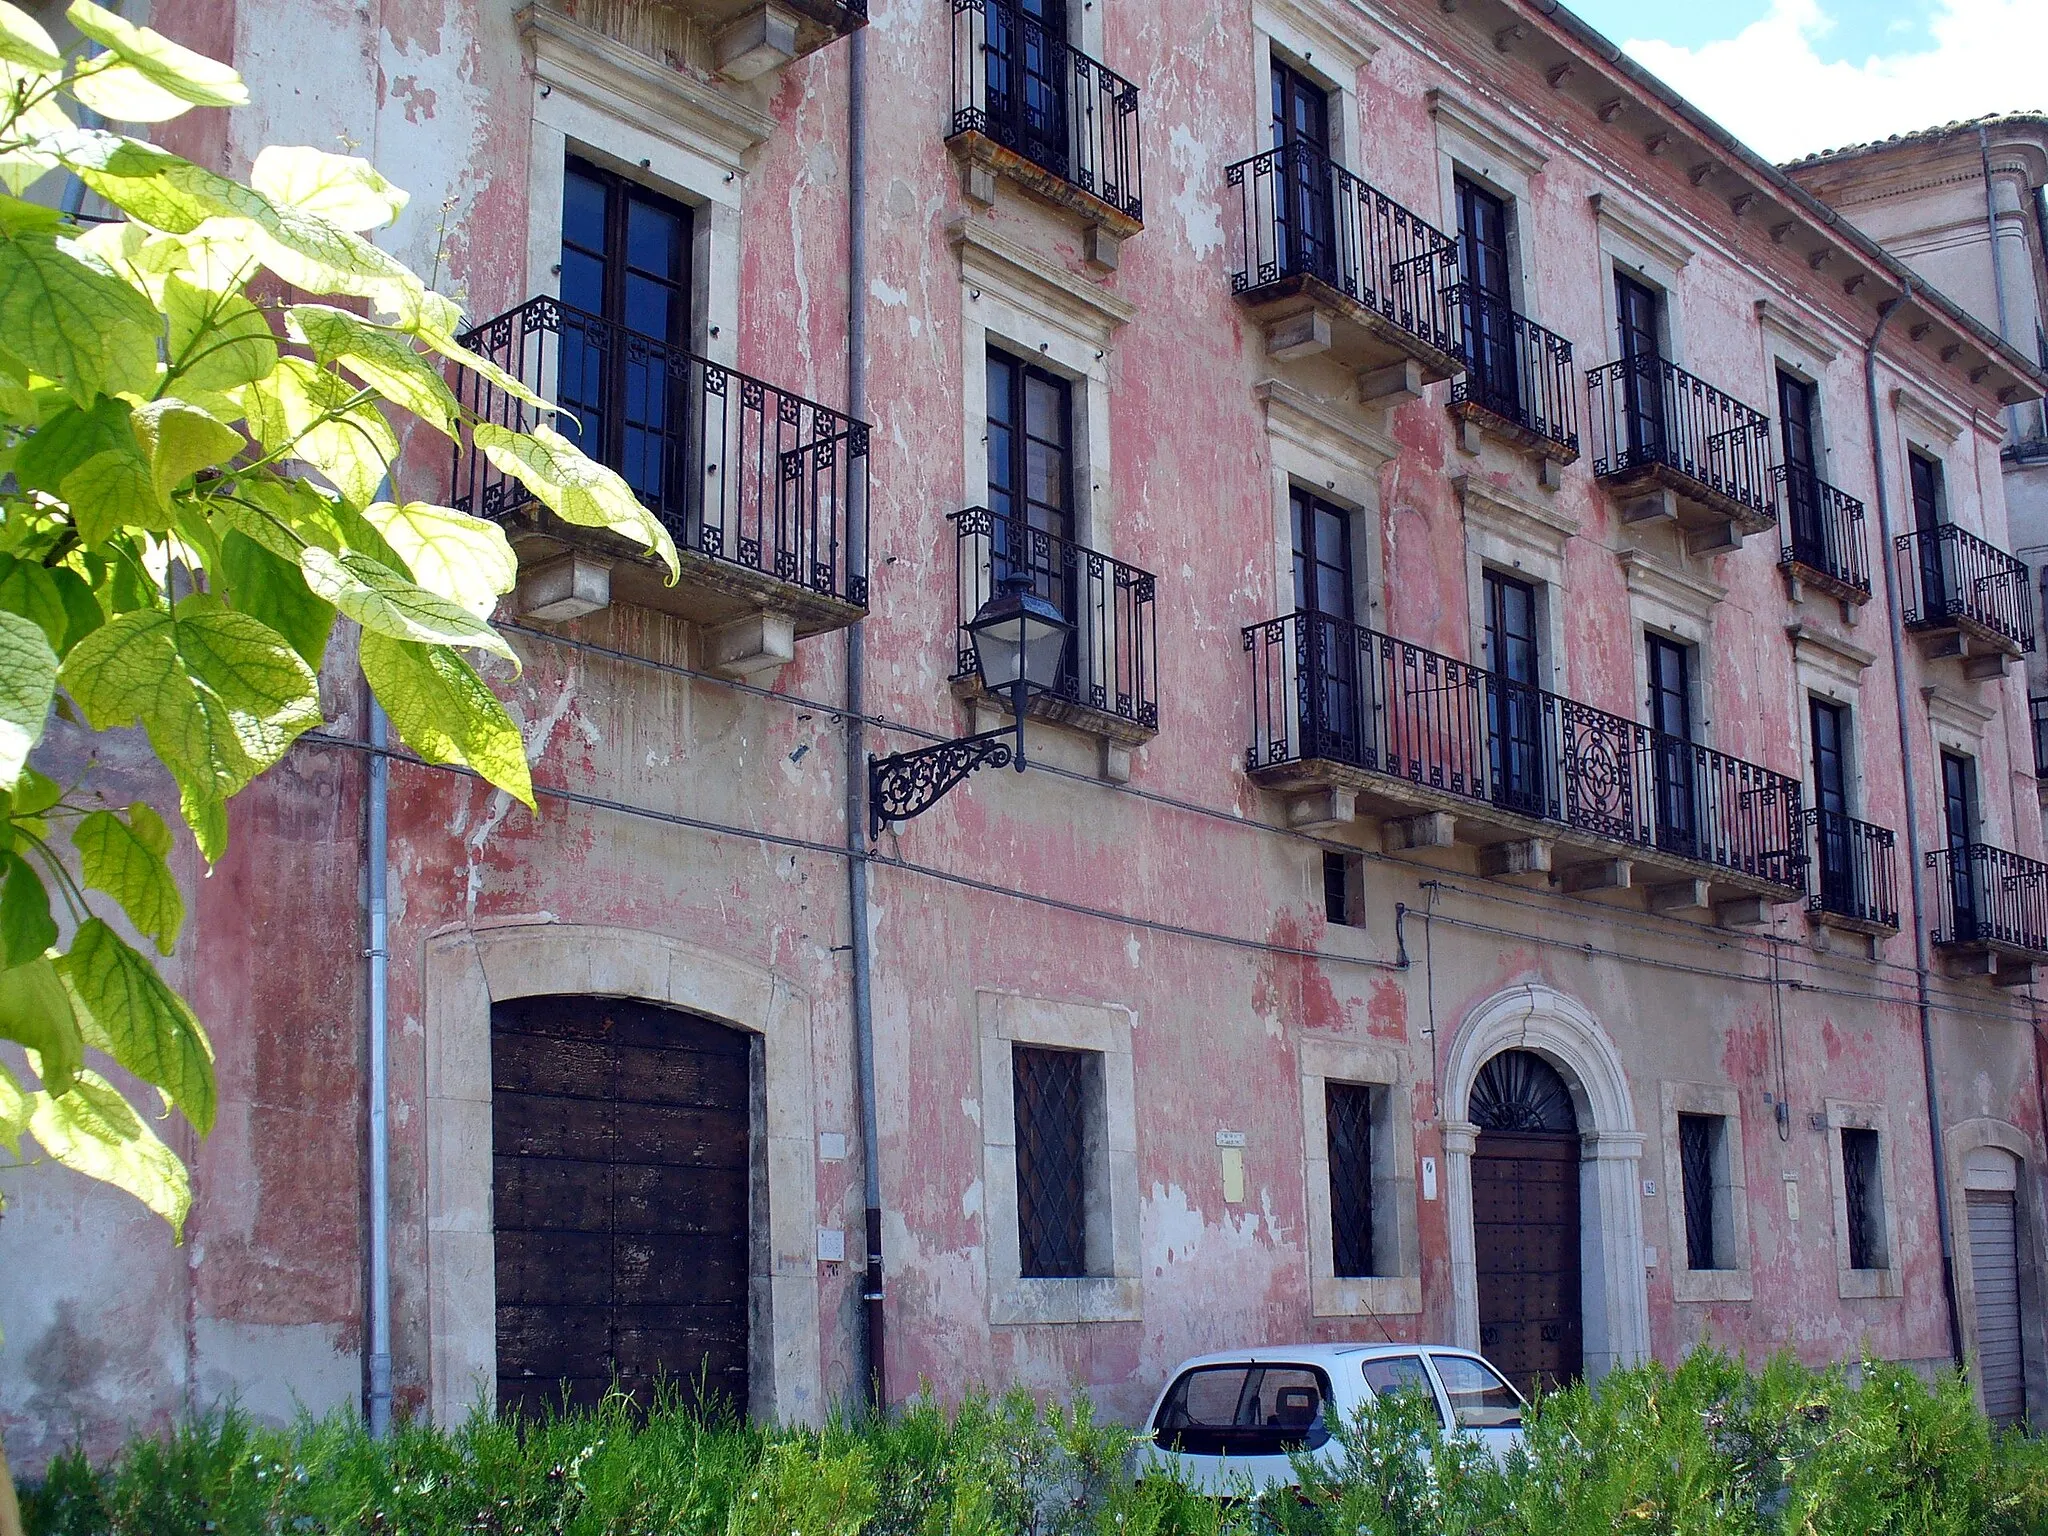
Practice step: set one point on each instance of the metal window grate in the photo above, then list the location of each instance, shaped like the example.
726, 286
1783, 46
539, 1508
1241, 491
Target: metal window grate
1698, 1138
1864, 1196
1349, 1109
1052, 1160
1337, 889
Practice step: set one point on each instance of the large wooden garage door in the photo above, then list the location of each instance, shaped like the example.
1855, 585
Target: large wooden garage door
1525, 1222
1995, 1271
621, 1152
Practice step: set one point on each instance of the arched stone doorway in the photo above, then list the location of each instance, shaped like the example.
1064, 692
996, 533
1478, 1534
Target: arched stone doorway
1614, 1308
1525, 1220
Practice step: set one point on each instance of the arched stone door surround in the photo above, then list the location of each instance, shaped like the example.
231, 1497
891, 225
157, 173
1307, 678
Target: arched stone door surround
1537, 1018
462, 973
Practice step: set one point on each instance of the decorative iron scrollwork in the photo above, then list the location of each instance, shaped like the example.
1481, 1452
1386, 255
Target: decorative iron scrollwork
911, 783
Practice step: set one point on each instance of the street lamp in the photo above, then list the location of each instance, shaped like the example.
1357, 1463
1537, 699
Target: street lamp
1018, 640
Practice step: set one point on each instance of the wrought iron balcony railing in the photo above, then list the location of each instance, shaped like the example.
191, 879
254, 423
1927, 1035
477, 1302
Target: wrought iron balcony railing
1951, 578
2037, 715
1852, 869
1324, 689
1111, 664
1822, 529
1649, 413
1986, 897
1301, 215
1024, 87
736, 469
1515, 369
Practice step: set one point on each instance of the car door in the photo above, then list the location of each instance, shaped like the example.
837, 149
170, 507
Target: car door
1480, 1400
1232, 1427
1387, 1375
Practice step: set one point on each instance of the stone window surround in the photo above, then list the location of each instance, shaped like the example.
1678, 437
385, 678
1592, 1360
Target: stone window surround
1797, 348
1329, 50
611, 104
1035, 310
1956, 724
1399, 1289
1666, 600
1482, 149
1615, 1297
1336, 455
1829, 668
1731, 1194
1523, 537
1854, 1284
463, 972
1959, 1141
1645, 246
1003, 1019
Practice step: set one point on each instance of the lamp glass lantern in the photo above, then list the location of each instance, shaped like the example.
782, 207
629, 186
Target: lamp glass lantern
1019, 638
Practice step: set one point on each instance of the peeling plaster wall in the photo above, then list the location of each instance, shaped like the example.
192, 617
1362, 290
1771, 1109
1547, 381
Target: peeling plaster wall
114, 1328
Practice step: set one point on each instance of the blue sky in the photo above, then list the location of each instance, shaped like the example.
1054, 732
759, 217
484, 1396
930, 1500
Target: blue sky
1795, 76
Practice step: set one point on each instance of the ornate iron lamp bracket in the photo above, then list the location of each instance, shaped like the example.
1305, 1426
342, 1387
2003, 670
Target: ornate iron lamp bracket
908, 783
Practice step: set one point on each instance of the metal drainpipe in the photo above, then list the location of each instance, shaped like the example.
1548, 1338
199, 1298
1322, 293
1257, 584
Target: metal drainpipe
2012, 412
379, 955
874, 1386
1895, 632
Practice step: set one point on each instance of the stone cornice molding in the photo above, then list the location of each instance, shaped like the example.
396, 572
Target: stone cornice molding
1804, 336
1320, 425
1537, 526
1459, 117
1650, 578
1828, 654
1331, 32
1641, 228
1068, 299
1936, 419
625, 83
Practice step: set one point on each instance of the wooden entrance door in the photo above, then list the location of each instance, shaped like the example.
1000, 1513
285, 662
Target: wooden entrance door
1525, 1222
621, 1143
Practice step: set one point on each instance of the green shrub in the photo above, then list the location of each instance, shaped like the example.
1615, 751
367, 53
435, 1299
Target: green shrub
1706, 1447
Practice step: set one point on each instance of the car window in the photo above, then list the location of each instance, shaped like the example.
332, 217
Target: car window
1480, 1399
1245, 1410
1388, 1374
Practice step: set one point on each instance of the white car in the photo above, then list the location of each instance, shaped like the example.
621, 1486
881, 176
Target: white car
1228, 1422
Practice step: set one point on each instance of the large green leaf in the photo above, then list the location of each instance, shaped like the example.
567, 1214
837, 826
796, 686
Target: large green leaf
310, 253
292, 411
26, 928
94, 1131
444, 711
385, 360
446, 344
341, 189
112, 490
127, 860
272, 589
187, 75
576, 488
70, 436
28, 681
179, 439
15, 1105
386, 603
466, 559
218, 341
221, 694
84, 328
35, 1011
24, 41
29, 588
152, 1032
124, 94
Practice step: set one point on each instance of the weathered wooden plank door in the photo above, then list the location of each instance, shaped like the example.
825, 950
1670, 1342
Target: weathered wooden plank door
1525, 1215
621, 1142
1995, 1273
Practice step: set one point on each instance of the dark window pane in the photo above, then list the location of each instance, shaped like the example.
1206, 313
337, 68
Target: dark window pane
1863, 1189
1349, 1108
583, 207
1699, 1138
1052, 1159
582, 281
1336, 889
654, 240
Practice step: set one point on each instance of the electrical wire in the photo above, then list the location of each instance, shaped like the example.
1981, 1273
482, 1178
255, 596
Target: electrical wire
874, 860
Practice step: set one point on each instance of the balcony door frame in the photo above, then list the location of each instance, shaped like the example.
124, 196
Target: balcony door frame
1321, 56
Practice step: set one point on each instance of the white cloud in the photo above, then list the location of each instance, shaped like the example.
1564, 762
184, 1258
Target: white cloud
1767, 86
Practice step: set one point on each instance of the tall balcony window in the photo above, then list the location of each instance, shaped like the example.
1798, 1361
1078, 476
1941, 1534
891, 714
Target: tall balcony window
1990, 910
1964, 591
1821, 540
1679, 449
1029, 105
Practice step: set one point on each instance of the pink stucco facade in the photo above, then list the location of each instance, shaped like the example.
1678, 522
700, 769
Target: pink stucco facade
1167, 908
